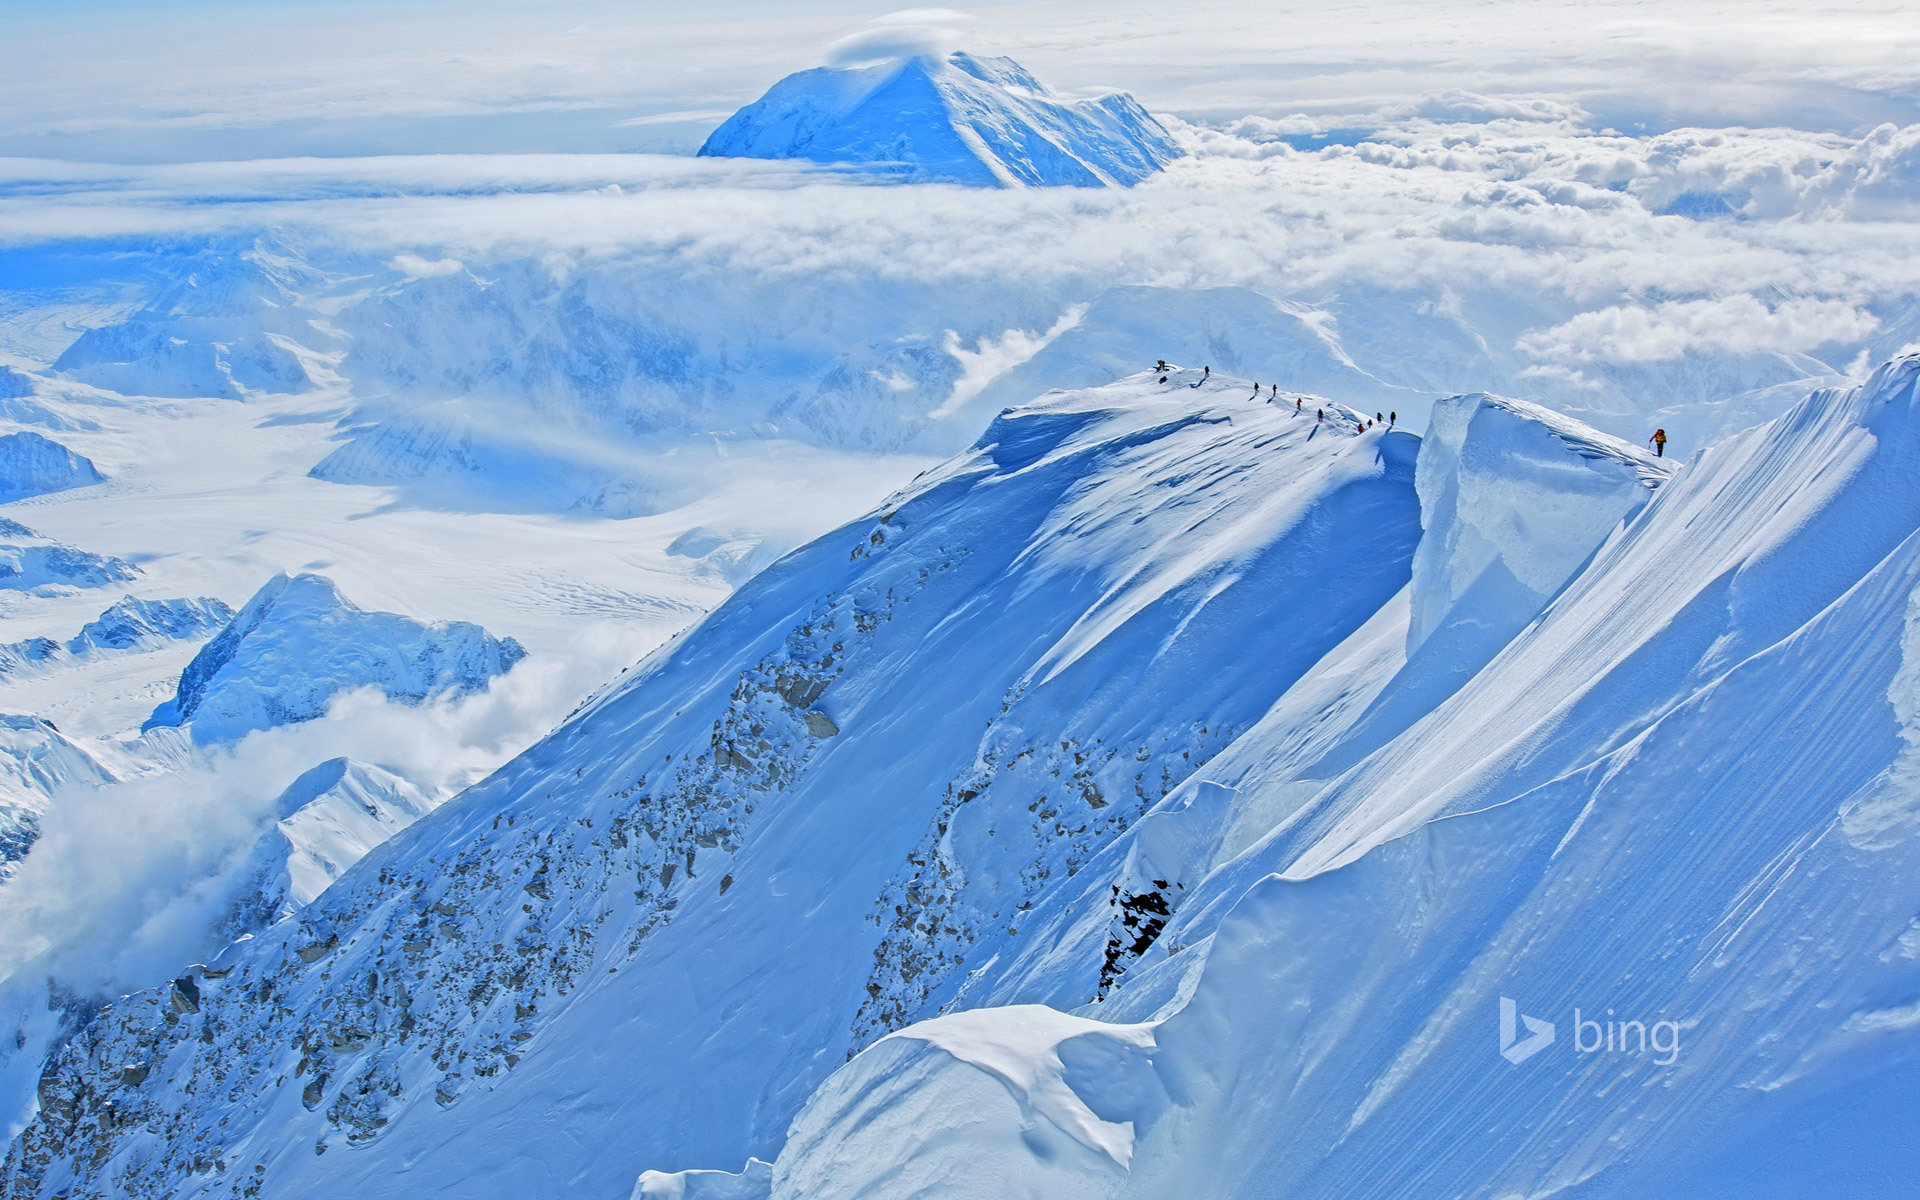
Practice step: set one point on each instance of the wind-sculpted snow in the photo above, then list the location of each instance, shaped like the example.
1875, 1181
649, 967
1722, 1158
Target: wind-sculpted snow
1680, 798
298, 642
33, 465
986, 122
797, 827
1513, 499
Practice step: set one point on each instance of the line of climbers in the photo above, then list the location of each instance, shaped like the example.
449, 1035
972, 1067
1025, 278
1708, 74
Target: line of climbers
1320, 414
1659, 438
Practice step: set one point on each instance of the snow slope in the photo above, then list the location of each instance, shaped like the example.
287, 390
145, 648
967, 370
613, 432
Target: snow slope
919, 722
298, 642
985, 122
1080, 749
1682, 795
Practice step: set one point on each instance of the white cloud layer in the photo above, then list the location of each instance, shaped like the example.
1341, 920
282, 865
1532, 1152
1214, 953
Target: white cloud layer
126, 882
1726, 325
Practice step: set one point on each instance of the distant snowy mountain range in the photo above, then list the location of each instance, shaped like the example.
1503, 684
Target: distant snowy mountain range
298, 643
1167, 795
986, 122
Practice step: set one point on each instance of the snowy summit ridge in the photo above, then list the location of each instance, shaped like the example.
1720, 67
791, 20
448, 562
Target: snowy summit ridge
985, 122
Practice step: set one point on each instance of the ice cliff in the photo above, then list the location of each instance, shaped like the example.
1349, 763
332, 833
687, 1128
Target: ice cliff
985, 122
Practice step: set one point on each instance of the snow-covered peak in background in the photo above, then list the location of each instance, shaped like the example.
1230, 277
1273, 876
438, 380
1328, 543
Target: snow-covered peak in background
230, 323
327, 820
32, 562
128, 625
986, 122
131, 623
298, 642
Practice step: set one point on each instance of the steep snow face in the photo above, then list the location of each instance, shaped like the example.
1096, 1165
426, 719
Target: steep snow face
33, 465
986, 122
231, 325
1513, 498
329, 819
35, 760
800, 826
299, 642
1681, 798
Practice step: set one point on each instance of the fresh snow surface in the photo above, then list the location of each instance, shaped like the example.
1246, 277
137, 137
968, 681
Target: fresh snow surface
986, 122
32, 464
299, 642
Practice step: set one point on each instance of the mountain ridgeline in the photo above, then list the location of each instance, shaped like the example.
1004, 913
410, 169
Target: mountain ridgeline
1156, 799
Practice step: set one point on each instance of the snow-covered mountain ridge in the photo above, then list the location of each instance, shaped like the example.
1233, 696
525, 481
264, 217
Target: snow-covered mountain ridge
1109, 740
1005, 636
1692, 764
981, 121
